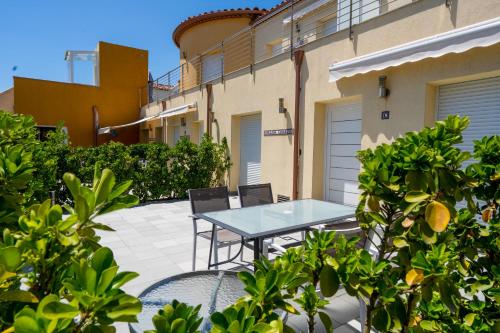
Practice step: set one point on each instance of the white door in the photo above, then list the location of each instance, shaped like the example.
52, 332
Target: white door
343, 128
250, 138
479, 100
177, 134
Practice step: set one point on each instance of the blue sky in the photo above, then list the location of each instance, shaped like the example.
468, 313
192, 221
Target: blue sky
34, 34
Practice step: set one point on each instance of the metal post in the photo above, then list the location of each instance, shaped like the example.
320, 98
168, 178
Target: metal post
52, 197
252, 51
291, 32
222, 60
350, 20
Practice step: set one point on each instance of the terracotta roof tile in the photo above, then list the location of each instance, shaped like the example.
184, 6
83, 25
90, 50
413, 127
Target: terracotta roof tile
191, 21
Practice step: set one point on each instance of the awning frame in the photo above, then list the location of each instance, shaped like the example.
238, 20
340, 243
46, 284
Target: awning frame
460, 40
162, 114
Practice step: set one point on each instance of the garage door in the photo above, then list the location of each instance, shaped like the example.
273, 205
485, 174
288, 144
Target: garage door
479, 100
250, 137
343, 142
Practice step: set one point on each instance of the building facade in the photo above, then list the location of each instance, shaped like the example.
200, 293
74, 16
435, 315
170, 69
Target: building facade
119, 91
299, 89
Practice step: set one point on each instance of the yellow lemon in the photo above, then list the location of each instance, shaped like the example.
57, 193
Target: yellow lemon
437, 216
414, 276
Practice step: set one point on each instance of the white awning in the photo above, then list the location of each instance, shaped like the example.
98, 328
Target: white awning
167, 113
455, 41
176, 111
306, 10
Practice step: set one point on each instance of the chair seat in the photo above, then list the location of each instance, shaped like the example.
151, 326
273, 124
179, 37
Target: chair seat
223, 236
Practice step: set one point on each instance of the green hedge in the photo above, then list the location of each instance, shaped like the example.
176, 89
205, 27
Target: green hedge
157, 170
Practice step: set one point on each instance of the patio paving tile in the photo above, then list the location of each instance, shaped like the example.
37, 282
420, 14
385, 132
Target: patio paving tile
156, 240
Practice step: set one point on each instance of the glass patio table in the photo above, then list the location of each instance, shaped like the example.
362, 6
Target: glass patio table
266, 221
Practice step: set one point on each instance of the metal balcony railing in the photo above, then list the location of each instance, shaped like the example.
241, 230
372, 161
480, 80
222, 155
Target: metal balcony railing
242, 50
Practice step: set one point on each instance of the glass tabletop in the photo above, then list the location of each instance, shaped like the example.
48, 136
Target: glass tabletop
278, 218
214, 290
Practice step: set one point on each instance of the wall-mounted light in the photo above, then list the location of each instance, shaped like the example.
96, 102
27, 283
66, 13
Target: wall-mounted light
281, 105
383, 92
183, 122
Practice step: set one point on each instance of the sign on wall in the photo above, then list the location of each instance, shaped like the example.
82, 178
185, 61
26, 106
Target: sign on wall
283, 131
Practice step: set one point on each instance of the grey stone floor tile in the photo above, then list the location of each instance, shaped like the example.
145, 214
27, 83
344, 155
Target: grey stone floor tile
156, 241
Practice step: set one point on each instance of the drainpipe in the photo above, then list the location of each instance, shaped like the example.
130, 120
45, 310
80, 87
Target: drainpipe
95, 125
209, 109
298, 57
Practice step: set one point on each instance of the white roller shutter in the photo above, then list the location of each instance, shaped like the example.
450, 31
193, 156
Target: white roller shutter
342, 144
479, 100
212, 67
250, 139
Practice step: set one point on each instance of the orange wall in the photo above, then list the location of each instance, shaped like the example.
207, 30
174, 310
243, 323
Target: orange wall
7, 100
122, 90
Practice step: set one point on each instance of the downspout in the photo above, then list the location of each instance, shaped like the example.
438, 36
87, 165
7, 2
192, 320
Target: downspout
209, 109
298, 57
95, 125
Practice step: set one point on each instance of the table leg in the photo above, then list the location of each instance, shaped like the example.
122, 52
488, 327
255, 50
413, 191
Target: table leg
212, 246
257, 248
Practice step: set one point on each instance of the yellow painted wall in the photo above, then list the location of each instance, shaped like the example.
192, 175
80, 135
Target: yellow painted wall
199, 38
7, 100
122, 91
411, 103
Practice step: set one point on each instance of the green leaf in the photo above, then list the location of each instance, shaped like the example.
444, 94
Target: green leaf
416, 181
101, 260
327, 322
25, 324
10, 257
400, 242
82, 208
105, 186
122, 278
120, 189
129, 306
469, 319
219, 319
416, 196
381, 319
73, 184
57, 310
106, 279
429, 325
18, 296
179, 326
329, 281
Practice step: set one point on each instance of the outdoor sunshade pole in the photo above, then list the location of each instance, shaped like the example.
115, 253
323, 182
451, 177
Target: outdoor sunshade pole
298, 57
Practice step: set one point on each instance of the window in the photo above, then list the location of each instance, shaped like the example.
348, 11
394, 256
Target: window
43, 131
362, 10
327, 26
212, 67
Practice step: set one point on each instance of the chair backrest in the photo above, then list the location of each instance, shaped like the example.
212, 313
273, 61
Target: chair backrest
254, 195
205, 200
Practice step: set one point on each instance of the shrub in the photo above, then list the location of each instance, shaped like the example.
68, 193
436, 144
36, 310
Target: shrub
54, 275
157, 170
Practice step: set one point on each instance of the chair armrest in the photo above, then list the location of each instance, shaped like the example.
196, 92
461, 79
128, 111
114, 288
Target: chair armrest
279, 249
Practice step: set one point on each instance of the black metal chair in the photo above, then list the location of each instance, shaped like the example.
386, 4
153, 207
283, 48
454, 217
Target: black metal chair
254, 195
205, 200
